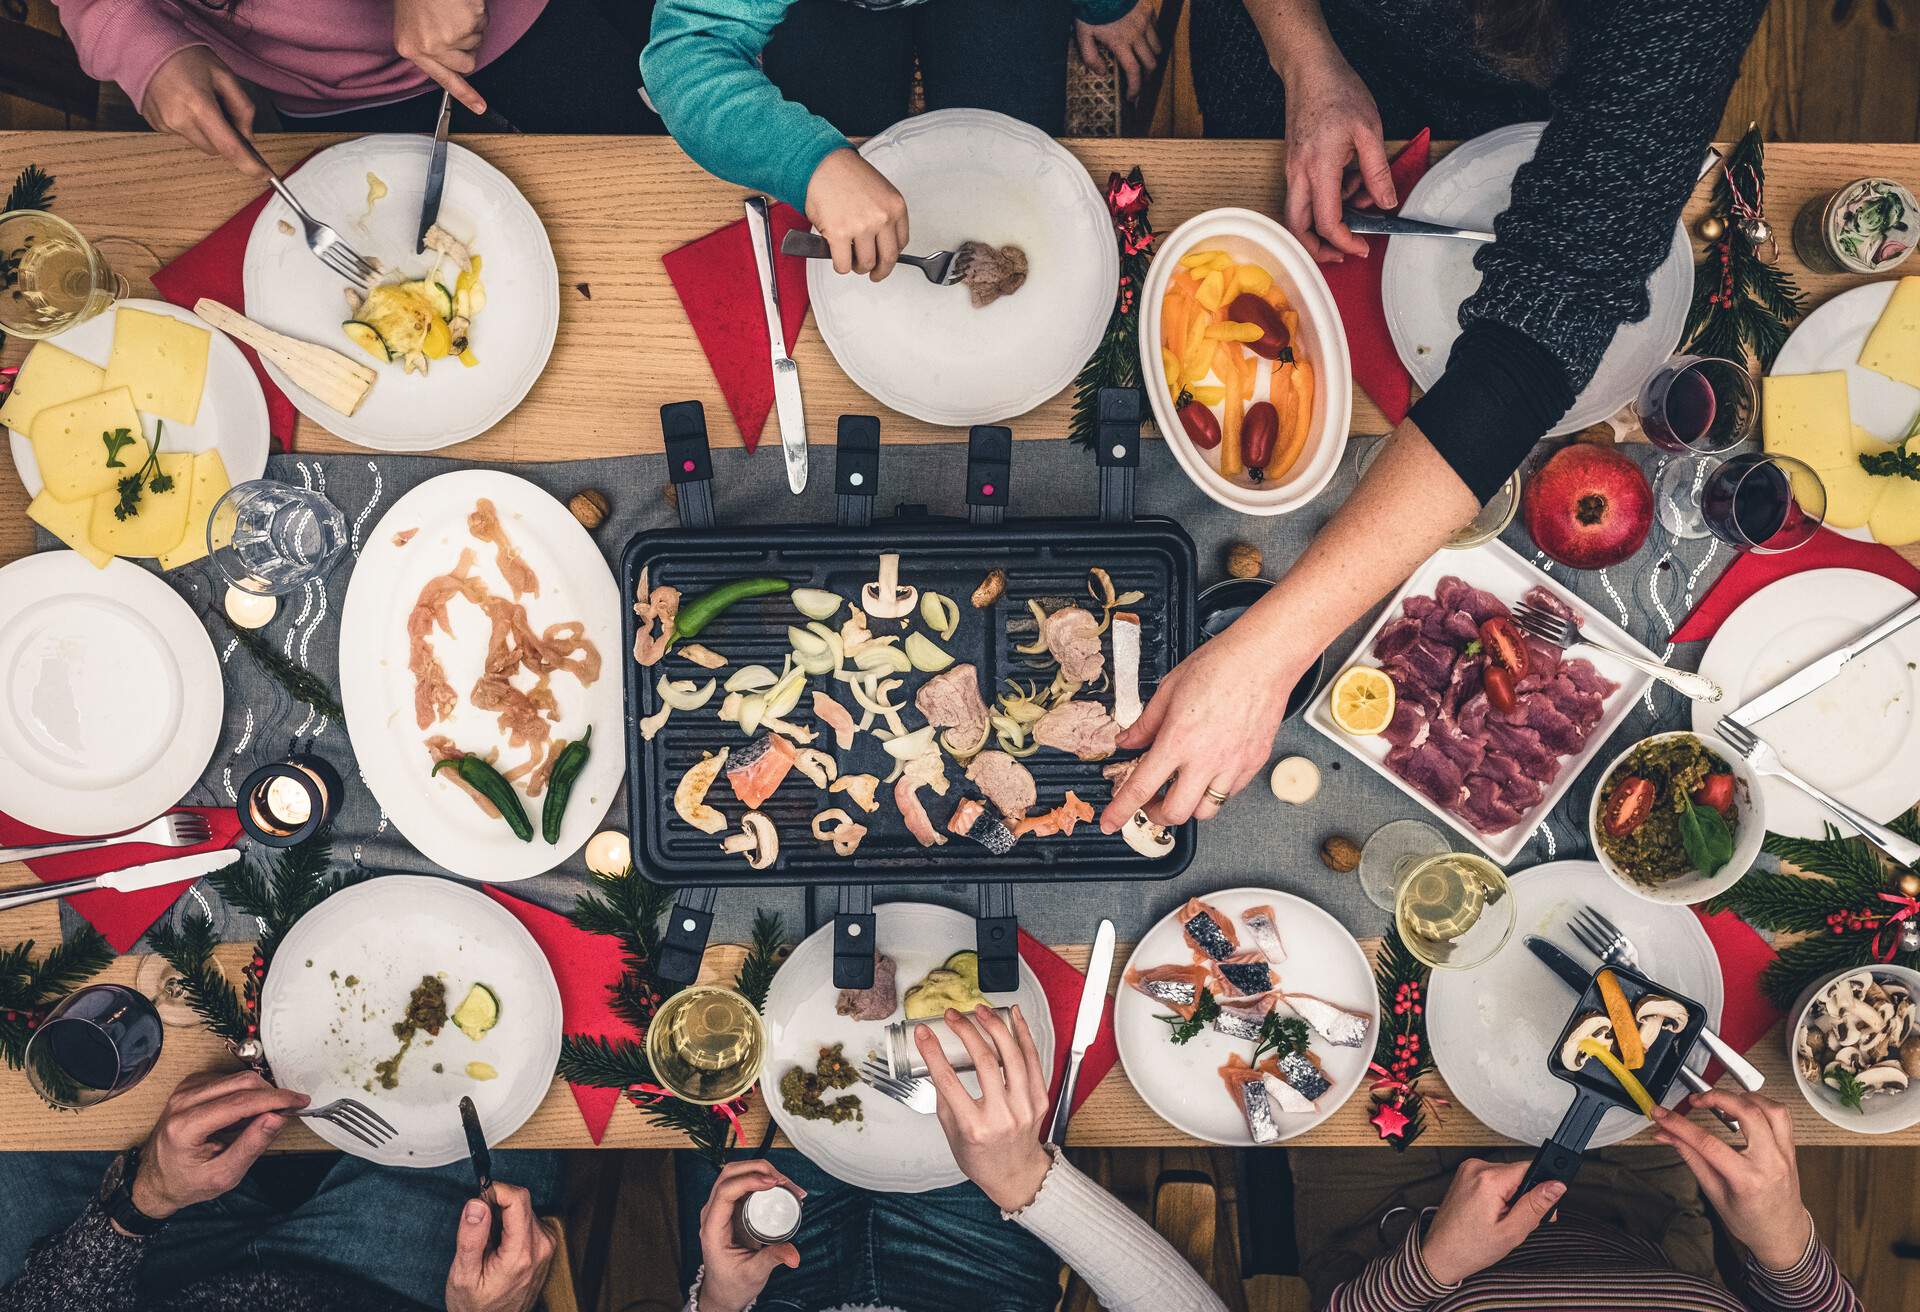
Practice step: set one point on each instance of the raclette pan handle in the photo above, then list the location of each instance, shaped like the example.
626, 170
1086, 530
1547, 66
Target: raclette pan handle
989, 461
1559, 1157
997, 940
683, 430
1116, 450
685, 940
855, 938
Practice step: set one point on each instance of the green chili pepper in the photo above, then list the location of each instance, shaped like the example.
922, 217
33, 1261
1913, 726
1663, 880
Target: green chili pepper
492, 785
696, 614
566, 769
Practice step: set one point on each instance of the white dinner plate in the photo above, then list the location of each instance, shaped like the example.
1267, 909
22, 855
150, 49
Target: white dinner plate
1831, 338
1489, 1027
973, 175
110, 695
376, 687
323, 1035
233, 411
1424, 279
891, 1150
1856, 739
1502, 571
290, 291
1182, 1082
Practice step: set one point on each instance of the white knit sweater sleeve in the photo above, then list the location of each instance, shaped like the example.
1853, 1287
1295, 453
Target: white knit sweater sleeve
1128, 1265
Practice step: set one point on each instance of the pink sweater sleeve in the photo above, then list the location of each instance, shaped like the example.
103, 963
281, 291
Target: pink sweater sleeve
124, 41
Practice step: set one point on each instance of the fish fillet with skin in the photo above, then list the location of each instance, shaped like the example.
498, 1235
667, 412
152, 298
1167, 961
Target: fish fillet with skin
1177, 987
1337, 1025
1263, 929
1247, 1087
1208, 931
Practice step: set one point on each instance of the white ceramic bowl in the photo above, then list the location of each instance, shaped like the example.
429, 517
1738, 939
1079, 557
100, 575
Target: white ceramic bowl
1747, 837
1883, 1114
1256, 239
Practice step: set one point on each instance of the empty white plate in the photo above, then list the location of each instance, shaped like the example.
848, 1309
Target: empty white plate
110, 695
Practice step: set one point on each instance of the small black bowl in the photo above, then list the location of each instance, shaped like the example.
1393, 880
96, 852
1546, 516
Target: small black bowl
1226, 601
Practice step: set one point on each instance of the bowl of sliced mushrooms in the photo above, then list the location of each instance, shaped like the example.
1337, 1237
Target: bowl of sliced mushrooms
1855, 1048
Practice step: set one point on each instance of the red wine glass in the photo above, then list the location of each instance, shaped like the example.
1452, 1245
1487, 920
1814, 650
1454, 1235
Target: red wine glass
1763, 503
1695, 407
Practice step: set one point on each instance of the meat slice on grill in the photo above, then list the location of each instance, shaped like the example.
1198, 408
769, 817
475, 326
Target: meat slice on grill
1072, 635
951, 700
1083, 728
1005, 782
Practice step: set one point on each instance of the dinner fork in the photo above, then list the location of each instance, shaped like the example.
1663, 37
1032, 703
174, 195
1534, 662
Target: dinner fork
1763, 760
179, 829
1608, 942
354, 1118
323, 241
916, 1094
1565, 634
942, 268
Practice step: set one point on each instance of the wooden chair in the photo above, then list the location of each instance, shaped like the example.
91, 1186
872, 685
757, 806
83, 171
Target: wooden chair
39, 66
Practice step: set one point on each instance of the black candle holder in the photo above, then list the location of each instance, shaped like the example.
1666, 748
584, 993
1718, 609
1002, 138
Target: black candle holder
288, 801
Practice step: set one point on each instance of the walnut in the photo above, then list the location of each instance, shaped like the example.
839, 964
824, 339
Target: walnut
1340, 854
1244, 560
589, 507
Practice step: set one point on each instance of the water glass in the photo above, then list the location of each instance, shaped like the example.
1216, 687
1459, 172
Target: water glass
97, 1044
51, 277
270, 538
1390, 852
1763, 503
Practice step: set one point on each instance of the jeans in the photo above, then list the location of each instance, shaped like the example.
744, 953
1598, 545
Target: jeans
384, 1225
941, 1251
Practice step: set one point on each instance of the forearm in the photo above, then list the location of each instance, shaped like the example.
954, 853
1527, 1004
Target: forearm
1294, 33
124, 41
1397, 1282
88, 1265
1811, 1284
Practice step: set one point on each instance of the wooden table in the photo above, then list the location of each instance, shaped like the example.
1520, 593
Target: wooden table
612, 207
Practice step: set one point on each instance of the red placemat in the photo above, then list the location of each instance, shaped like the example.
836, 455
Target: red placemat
122, 917
1747, 1016
213, 268
1754, 571
719, 287
1356, 290
1062, 984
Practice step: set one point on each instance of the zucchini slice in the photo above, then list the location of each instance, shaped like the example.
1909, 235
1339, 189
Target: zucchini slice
368, 339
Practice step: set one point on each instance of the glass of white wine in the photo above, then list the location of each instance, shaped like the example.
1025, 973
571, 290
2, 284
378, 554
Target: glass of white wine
51, 277
1454, 910
707, 1044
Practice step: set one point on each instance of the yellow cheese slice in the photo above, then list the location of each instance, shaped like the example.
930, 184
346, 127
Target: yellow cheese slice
209, 485
67, 520
1895, 520
163, 360
1851, 491
161, 521
69, 446
1893, 347
1805, 416
49, 376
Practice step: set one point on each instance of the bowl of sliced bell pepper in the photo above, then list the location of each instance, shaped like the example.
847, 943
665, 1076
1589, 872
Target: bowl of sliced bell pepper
1245, 362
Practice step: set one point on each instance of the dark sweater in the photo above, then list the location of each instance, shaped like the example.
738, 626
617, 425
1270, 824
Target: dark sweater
1629, 115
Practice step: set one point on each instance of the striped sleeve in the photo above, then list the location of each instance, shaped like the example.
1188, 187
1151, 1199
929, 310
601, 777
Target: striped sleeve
1812, 1284
1398, 1282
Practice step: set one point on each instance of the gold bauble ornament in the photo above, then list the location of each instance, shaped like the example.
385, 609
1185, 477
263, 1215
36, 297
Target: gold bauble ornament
1910, 884
1712, 228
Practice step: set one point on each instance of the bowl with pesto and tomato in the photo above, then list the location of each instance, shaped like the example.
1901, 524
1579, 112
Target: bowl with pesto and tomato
1676, 819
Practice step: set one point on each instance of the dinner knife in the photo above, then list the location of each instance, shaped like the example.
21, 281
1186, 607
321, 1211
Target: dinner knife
482, 1158
1564, 966
786, 374
1377, 224
1822, 672
436, 173
1086, 1025
154, 874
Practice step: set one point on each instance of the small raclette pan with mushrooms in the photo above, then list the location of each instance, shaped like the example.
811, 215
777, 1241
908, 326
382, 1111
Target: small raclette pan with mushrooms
1667, 1025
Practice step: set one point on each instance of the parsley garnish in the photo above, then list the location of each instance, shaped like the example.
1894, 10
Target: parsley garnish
1283, 1037
149, 477
1203, 1012
115, 441
1848, 1086
1472, 649
1896, 463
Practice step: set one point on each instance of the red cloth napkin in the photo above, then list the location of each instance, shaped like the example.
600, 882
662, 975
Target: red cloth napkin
1743, 954
1754, 571
1356, 290
122, 917
719, 287
1062, 984
584, 965
213, 268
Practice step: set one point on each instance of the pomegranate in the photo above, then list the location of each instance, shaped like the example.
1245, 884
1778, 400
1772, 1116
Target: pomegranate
1589, 506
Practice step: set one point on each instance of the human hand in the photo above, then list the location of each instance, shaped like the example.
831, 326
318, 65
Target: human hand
995, 1137
1756, 1191
859, 213
1331, 120
511, 1276
734, 1276
210, 1133
442, 38
1475, 1227
196, 97
1131, 41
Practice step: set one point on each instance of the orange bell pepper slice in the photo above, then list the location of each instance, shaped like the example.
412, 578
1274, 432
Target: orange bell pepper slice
1233, 409
1297, 381
1637, 1091
1212, 288
1626, 1032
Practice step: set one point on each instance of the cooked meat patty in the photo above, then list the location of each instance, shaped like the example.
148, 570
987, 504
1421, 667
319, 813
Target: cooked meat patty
876, 1003
951, 700
1005, 782
992, 271
1073, 636
1083, 728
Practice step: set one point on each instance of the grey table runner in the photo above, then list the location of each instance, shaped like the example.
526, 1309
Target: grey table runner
1256, 840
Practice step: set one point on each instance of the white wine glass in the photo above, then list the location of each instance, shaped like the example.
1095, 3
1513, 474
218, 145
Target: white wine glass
1454, 911
51, 276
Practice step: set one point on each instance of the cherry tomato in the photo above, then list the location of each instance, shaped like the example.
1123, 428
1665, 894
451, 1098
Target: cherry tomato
1259, 430
1628, 806
1502, 644
1499, 688
1201, 424
1248, 308
1716, 792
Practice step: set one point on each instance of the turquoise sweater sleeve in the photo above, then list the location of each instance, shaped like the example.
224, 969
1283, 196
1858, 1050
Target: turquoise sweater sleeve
702, 72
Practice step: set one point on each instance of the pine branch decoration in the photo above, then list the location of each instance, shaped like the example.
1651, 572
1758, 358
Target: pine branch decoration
32, 190
764, 955
300, 683
30, 988
1116, 360
189, 950
1400, 1049
1741, 304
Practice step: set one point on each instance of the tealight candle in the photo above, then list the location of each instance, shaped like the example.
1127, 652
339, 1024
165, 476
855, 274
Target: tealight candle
609, 853
288, 801
250, 610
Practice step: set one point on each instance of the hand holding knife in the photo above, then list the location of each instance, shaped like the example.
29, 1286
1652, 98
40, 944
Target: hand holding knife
436, 173
1086, 1025
482, 1158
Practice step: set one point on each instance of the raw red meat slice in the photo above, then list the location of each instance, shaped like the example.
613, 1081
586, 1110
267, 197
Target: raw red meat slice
1408, 728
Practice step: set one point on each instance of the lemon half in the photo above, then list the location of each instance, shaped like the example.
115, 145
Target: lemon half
1362, 701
